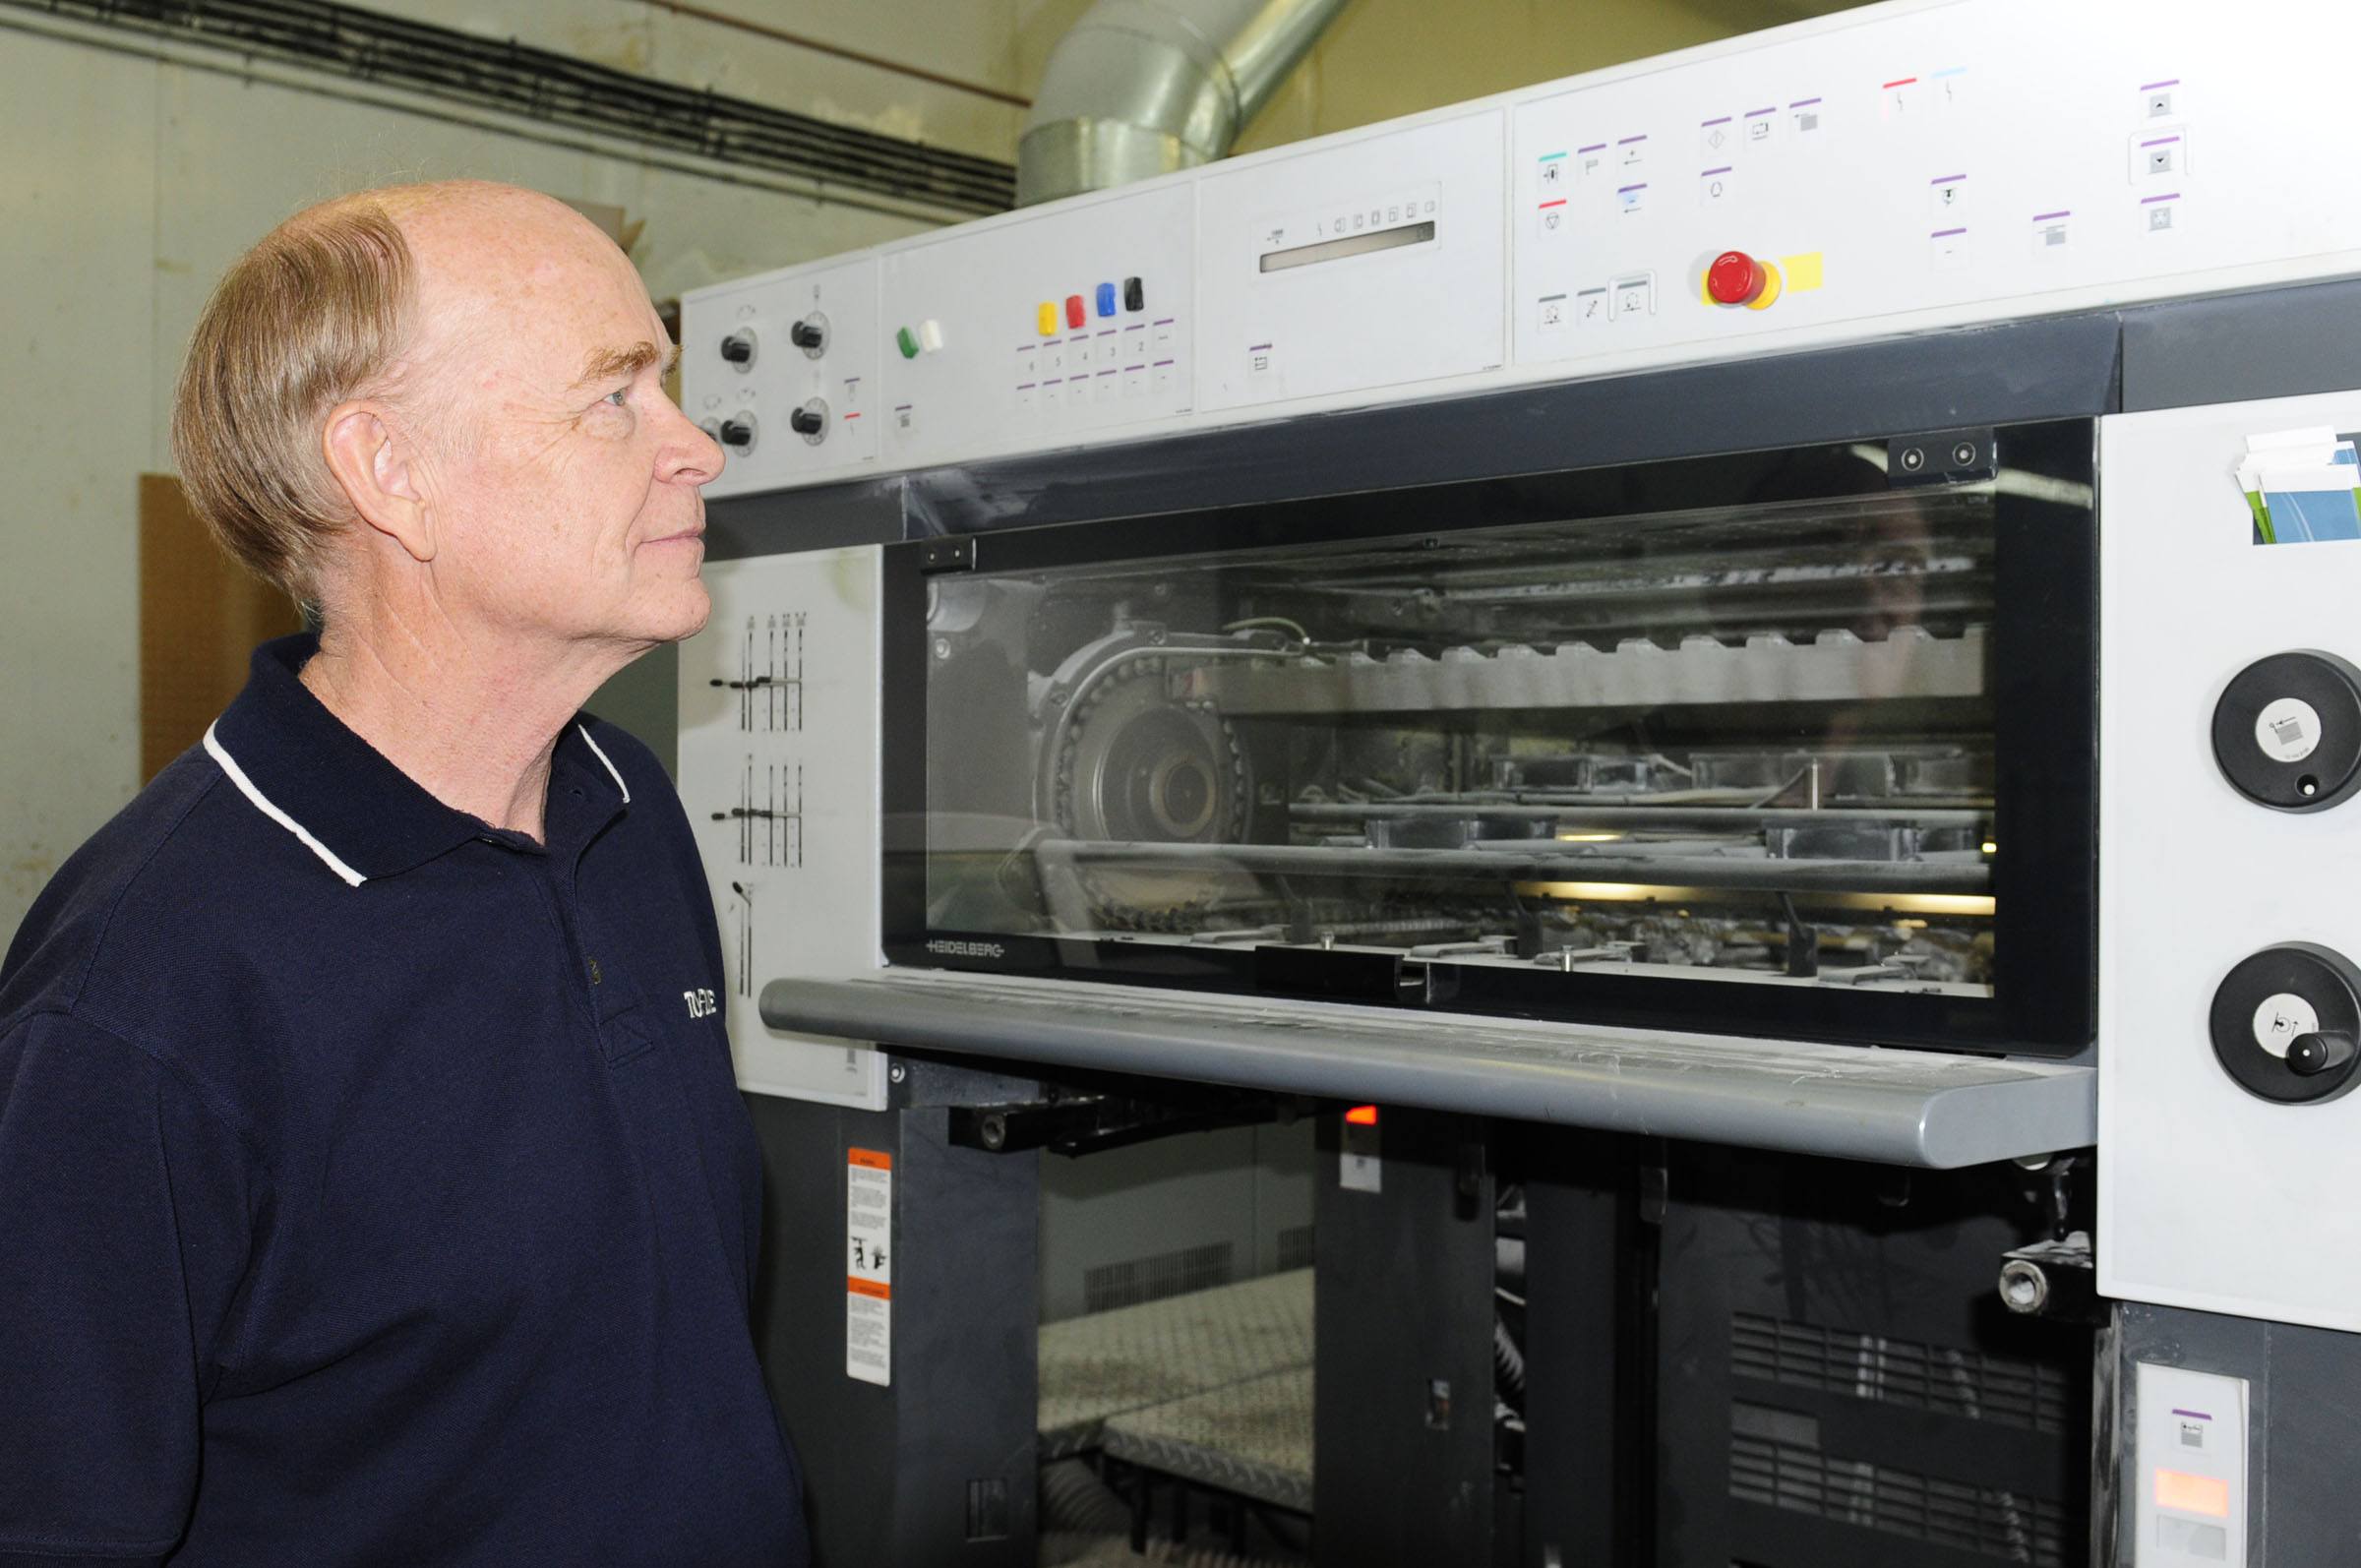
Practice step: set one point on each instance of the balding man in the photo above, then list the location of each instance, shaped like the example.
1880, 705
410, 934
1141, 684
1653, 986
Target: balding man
368, 1192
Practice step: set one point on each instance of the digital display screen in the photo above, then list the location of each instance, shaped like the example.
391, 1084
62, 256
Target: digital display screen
1336, 249
2192, 1494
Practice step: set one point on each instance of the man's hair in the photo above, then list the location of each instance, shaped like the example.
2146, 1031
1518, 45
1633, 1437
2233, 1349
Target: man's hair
312, 316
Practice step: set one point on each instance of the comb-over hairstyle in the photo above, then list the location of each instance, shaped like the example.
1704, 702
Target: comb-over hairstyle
312, 316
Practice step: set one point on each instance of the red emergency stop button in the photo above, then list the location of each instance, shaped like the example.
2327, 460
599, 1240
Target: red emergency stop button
1735, 279
1076, 312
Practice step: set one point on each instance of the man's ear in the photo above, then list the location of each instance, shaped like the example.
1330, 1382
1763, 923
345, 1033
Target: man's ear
374, 464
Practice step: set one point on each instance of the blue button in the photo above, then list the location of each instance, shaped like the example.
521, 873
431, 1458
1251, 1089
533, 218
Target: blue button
1105, 299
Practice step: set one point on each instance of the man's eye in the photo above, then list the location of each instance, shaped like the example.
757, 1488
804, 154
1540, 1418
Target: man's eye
618, 396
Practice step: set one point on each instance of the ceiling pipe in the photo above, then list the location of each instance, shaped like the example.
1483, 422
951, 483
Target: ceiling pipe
1139, 87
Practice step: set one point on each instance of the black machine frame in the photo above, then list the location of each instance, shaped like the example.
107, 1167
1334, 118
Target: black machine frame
2044, 686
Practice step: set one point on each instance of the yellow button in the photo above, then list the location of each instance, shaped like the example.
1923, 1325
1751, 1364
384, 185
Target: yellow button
1045, 317
1804, 272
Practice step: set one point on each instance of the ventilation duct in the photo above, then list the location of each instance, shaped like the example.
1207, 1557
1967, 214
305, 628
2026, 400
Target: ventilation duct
1146, 86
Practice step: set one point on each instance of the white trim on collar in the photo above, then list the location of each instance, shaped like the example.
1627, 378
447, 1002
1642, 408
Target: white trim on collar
263, 803
602, 757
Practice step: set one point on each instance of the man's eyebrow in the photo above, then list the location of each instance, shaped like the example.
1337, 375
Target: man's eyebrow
621, 364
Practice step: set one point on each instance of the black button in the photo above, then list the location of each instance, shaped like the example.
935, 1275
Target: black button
1136, 294
2288, 730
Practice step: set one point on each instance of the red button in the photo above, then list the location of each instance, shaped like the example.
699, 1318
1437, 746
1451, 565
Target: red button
1735, 279
1076, 314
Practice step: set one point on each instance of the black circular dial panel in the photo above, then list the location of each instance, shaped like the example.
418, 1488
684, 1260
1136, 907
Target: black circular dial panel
2288, 730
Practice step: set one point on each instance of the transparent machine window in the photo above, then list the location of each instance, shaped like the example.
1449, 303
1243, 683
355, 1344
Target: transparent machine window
1750, 743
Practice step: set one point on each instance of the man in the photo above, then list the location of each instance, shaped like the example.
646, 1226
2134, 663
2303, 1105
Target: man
367, 1193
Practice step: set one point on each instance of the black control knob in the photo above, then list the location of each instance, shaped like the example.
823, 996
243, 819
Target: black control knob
2285, 1022
2310, 1055
807, 422
737, 433
2288, 730
739, 348
808, 336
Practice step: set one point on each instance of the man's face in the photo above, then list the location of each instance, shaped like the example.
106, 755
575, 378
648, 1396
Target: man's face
565, 484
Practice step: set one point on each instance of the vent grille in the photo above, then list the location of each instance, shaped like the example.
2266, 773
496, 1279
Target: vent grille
1970, 1384
1295, 1247
1152, 1279
2001, 1526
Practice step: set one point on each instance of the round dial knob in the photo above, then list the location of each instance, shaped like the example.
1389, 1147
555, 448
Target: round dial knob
804, 335
807, 422
1735, 279
739, 348
2288, 730
737, 433
2285, 1022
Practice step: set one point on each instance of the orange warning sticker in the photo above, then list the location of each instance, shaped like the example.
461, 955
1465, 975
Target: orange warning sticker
869, 1159
874, 1290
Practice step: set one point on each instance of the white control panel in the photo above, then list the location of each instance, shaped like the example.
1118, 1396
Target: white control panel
1904, 164
779, 688
2224, 1155
1902, 167
783, 373
1062, 322
1349, 268
2191, 1448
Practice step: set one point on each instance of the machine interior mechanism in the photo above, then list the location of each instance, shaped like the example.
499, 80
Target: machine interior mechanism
1753, 742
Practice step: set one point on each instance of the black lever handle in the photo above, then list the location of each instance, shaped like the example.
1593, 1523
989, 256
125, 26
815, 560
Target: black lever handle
2310, 1055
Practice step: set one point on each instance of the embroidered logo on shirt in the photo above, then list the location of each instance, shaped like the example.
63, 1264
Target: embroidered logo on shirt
700, 1003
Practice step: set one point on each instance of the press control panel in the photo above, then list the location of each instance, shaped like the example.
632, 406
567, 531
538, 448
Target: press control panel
783, 372
1900, 167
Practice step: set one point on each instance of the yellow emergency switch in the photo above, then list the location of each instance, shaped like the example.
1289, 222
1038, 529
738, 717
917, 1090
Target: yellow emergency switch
1045, 317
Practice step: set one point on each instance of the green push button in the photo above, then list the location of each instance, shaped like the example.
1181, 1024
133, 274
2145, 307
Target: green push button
907, 341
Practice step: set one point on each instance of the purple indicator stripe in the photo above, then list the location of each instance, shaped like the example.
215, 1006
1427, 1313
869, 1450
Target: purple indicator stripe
1624, 190
1710, 173
1751, 113
1947, 179
2193, 1414
2150, 87
1256, 348
1024, 348
1025, 386
1136, 327
1159, 364
1946, 234
1594, 147
1627, 141
1127, 369
2044, 218
1723, 120
1105, 371
1165, 321
1054, 381
2168, 195
901, 408
2161, 140
852, 381
1803, 103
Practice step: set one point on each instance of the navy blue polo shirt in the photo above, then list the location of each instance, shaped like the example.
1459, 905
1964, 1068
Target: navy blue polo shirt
374, 1189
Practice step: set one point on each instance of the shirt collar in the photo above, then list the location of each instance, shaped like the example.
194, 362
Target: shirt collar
340, 797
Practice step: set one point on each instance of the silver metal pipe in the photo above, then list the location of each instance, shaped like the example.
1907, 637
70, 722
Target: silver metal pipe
1139, 87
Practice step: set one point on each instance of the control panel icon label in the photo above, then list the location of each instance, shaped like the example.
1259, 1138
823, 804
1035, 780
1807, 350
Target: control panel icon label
2288, 730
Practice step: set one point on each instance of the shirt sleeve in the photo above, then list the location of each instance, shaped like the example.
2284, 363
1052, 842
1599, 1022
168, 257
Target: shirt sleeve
125, 1204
